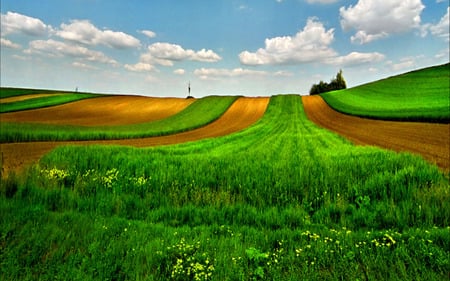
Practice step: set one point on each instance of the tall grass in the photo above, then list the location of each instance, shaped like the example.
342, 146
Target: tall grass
198, 114
281, 200
421, 95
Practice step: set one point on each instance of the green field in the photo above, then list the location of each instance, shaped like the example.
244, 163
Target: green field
281, 200
422, 95
200, 113
46, 101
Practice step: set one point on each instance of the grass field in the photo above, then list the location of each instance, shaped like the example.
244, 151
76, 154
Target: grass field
200, 113
421, 95
40, 102
281, 200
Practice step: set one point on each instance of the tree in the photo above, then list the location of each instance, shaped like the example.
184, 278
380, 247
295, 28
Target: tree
337, 83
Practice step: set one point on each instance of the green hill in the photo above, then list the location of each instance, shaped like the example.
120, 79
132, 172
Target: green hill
421, 95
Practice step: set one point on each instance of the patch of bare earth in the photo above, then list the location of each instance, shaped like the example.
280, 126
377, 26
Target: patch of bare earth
25, 97
102, 111
430, 140
241, 114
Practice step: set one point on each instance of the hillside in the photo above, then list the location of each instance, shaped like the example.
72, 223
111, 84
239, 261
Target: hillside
421, 95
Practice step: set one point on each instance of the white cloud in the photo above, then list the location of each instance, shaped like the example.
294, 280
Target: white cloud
308, 45
374, 19
139, 67
54, 48
441, 29
164, 52
405, 63
16, 23
355, 58
8, 44
83, 31
148, 33
214, 73
321, 1
83, 65
179, 71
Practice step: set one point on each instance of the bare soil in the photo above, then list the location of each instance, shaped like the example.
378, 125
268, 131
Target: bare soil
102, 111
430, 140
25, 97
241, 114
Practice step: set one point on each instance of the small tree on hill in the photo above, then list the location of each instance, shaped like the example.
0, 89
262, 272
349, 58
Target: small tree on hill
337, 83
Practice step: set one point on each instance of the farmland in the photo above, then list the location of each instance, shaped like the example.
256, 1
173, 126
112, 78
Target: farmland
421, 95
281, 200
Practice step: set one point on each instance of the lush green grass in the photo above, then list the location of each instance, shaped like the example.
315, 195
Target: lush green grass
46, 101
198, 114
421, 95
281, 200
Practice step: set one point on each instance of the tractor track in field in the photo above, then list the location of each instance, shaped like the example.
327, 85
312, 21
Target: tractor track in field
430, 140
241, 114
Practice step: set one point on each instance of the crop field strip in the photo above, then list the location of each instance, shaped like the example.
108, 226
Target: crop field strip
25, 97
109, 111
430, 140
241, 114
281, 199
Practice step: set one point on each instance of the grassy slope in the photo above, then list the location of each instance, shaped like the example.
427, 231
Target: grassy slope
279, 200
44, 102
421, 95
6, 92
199, 113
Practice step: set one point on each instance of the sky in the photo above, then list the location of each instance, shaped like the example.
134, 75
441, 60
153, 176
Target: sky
220, 47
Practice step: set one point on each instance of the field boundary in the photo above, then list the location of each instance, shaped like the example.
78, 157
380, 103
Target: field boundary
427, 139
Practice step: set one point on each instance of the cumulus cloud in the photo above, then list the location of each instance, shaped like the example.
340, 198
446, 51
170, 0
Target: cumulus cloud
374, 19
441, 29
17, 23
179, 71
172, 52
310, 44
355, 58
83, 31
54, 48
214, 73
148, 33
83, 65
139, 67
8, 44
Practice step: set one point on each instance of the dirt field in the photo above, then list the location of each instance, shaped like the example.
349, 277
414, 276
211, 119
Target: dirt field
242, 113
108, 110
432, 141
25, 97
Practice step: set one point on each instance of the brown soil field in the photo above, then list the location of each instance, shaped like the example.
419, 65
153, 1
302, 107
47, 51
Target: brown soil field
432, 141
25, 97
241, 114
102, 111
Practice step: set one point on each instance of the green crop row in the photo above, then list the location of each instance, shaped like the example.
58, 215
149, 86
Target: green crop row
198, 114
281, 200
421, 95
45, 101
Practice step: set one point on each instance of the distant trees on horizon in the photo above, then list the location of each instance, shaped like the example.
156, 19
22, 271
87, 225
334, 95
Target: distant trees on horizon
337, 83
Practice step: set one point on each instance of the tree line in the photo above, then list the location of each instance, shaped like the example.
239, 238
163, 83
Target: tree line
337, 83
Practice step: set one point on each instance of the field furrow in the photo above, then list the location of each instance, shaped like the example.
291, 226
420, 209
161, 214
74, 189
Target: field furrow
242, 113
430, 140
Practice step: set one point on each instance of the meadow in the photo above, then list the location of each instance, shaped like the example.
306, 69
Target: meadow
421, 95
200, 113
281, 200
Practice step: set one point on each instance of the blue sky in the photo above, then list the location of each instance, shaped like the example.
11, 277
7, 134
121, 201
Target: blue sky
223, 47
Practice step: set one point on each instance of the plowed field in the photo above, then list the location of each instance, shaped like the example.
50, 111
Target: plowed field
432, 141
242, 113
110, 110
